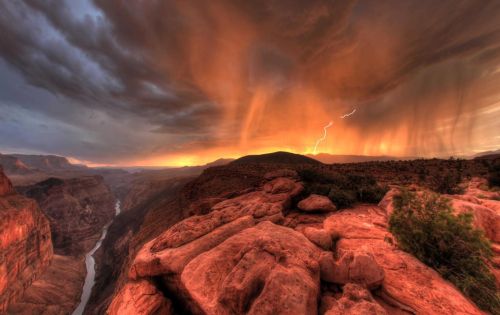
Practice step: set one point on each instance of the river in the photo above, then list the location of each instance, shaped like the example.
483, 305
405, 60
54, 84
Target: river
90, 263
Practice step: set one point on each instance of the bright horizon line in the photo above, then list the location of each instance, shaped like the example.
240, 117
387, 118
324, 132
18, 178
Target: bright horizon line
183, 162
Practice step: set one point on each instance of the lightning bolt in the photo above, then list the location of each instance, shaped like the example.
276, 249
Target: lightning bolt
324, 136
347, 115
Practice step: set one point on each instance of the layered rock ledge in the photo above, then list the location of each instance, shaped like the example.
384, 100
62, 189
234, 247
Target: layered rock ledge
25, 243
257, 253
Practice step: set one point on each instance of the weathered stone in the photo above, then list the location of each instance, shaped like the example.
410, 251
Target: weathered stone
355, 300
316, 203
140, 298
319, 237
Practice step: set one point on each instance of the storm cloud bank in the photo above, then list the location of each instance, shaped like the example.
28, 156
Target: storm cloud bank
152, 81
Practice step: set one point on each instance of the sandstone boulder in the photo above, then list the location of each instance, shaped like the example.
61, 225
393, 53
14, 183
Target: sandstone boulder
141, 298
267, 269
319, 237
355, 300
263, 204
316, 203
353, 267
281, 185
408, 283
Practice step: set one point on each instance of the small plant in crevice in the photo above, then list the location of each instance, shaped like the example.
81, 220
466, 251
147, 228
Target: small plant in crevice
426, 227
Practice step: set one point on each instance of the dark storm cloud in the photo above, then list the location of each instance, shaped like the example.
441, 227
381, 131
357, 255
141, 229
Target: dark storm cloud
189, 69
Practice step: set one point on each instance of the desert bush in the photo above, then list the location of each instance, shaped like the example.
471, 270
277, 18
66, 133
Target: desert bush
447, 182
342, 198
343, 190
372, 193
426, 227
494, 177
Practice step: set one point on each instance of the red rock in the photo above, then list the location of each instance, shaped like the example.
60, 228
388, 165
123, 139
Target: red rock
77, 208
140, 298
316, 203
56, 291
25, 245
150, 263
407, 282
386, 202
353, 267
267, 269
319, 237
259, 204
362, 222
282, 185
5, 185
486, 213
355, 300
485, 218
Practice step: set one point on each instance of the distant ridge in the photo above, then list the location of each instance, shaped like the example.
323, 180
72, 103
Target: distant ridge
24, 163
334, 158
279, 157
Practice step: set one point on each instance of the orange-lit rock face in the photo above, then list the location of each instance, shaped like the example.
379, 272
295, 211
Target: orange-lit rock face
5, 184
256, 254
25, 244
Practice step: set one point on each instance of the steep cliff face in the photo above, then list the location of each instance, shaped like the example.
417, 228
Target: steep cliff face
5, 184
25, 243
77, 209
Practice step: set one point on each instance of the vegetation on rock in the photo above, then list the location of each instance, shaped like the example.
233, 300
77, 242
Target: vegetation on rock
426, 227
343, 190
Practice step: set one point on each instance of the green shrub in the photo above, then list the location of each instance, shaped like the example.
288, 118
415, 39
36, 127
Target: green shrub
317, 188
342, 198
447, 183
343, 190
371, 194
427, 228
494, 177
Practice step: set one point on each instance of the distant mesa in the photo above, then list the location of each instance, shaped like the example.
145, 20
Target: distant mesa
25, 164
279, 157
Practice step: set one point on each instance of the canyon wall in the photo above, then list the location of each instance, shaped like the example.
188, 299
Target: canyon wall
77, 209
25, 243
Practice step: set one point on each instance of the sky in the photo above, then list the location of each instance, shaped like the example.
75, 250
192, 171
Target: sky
185, 82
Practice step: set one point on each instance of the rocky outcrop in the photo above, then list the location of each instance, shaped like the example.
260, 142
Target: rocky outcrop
5, 185
353, 267
316, 203
25, 243
408, 284
355, 300
77, 209
55, 291
483, 206
140, 298
256, 254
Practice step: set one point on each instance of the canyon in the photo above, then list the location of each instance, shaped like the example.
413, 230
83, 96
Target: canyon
71, 213
252, 236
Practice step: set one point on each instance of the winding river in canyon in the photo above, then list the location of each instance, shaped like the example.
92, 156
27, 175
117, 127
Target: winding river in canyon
90, 264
